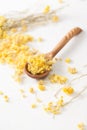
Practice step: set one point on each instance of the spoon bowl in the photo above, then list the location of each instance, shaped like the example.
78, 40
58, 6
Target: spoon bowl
73, 32
36, 76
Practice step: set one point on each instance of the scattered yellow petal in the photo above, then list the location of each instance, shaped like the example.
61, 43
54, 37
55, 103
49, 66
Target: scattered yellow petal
55, 18
67, 60
72, 70
23, 22
24, 28
6, 98
40, 82
46, 9
68, 90
81, 126
52, 107
31, 90
13, 30
54, 78
2, 20
33, 105
41, 87
61, 101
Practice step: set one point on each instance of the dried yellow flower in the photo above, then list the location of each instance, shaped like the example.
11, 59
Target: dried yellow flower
40, 82
41, 87
33, 105
6, 98
24, 28
2, 20
12, 48
55, 18
68, 90
46, 9
81, 126
52, 108
14, 30
60, 101
72, 70
17, 77
67, 60
54, 78
31, 90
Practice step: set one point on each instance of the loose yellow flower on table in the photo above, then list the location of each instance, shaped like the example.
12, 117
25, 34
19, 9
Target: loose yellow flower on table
2, 20
60, 102
41, 87
6, 98
24, 28
72, 70
67, 60
33, 105
31, 90
22, 91
54, 107
68, 90
55, 18
14, 30
41, 82
46, 9
81, 126
55, 78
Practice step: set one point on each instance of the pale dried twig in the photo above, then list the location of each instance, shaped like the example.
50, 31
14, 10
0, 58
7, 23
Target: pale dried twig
83, 90
30, 20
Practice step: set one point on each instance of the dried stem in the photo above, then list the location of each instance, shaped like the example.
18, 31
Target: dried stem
76, 96
30, 20
76, 78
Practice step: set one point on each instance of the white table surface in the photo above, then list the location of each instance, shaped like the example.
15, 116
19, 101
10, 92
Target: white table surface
17, 114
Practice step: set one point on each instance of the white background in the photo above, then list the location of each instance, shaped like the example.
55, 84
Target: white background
17, 114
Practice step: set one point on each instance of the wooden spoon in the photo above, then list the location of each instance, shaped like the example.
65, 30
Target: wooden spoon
73, 32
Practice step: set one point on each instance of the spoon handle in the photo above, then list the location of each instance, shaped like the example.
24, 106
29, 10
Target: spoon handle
64, 41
